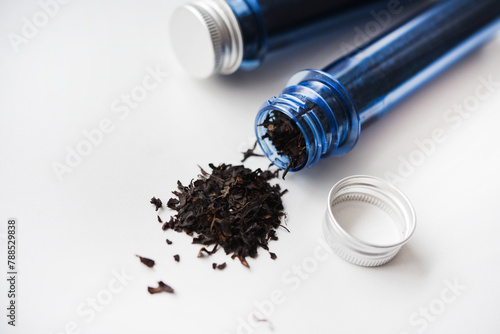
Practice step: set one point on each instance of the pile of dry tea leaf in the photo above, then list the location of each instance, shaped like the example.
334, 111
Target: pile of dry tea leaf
286, 138
233, 207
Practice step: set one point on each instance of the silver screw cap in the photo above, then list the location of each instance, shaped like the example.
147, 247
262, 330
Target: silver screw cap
206, 38
367, 220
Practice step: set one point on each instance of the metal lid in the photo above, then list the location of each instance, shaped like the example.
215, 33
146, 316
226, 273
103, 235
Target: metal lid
368, 220
206, 38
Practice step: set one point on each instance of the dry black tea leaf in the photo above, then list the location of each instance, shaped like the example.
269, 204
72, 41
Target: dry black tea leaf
204, 250
221, 266
156, 202
162, 287
287, 138
177, 258
159, 220
232, 207
251, 153
244, 262
169, 242
148, 262
273, 256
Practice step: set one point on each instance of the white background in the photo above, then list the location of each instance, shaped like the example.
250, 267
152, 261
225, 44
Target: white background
75, 233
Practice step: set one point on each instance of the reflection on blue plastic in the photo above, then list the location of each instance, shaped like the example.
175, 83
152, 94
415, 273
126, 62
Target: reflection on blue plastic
268, 25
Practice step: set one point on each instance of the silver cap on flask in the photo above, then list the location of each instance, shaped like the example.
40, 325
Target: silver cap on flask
367, 220
206, 38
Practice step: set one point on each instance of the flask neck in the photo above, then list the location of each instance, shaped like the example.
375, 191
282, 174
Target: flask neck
323, 112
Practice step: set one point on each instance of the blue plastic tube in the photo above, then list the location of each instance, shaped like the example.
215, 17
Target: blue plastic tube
267, 25
223, 36
330, 106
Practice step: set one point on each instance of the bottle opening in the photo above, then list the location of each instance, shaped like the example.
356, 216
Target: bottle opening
282, 141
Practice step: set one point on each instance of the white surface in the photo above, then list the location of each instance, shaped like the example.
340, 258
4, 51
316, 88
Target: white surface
74, 233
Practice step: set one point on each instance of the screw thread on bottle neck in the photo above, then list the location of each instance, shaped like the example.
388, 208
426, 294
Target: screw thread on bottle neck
323, 112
